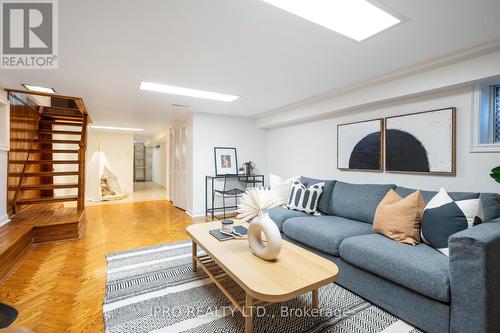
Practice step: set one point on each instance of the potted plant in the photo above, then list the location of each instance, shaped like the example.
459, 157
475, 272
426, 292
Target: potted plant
495, 174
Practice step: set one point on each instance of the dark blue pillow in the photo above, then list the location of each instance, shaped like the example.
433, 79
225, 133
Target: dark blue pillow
439, 223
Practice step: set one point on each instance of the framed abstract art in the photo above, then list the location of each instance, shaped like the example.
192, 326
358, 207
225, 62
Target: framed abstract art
360, 146
423, 142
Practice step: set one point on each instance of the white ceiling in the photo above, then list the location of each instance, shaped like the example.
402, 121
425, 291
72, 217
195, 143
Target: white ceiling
240, 47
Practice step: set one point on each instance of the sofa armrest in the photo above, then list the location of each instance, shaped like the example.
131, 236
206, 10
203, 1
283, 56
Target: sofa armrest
475, 279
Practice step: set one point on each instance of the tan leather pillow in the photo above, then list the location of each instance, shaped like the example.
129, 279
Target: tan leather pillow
400, 218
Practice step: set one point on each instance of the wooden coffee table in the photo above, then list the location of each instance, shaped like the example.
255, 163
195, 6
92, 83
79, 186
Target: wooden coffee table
295, 272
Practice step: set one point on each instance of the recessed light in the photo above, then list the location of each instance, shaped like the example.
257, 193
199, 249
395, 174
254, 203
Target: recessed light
186, 92
39, 89
118, 128
356, 19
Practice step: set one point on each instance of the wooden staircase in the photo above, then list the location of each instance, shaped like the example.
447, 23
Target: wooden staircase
46, 172
47, 149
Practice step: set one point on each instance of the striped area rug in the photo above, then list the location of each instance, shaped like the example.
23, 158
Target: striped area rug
154, 290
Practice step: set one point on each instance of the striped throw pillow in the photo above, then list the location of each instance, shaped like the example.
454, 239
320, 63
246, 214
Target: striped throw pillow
305, 199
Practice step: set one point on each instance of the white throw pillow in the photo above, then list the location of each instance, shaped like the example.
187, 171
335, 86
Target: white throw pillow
305, 199
441, 198
281, 187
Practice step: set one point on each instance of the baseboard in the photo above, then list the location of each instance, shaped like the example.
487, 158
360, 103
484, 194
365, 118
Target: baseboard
194, 214
4, 220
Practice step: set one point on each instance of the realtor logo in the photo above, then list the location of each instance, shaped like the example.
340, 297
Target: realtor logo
29, 34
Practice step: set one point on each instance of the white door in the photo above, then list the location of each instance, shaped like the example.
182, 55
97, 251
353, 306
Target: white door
178, 181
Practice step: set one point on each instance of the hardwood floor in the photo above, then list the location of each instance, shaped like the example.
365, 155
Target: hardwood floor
59, 287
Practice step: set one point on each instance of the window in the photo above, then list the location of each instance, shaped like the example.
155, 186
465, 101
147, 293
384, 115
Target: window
496, 113
486, 118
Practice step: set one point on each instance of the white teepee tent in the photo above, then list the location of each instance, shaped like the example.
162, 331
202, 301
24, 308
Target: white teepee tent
104, 185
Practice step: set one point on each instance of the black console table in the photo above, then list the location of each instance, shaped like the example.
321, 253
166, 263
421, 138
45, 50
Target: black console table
218, 184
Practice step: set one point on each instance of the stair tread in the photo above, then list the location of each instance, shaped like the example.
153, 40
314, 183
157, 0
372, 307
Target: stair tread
47, 199
60, 108
45, 174
11, 234
44, 187
49, 131
45, 162
41, 150
57, 141
45, 140
61, 116
61, 123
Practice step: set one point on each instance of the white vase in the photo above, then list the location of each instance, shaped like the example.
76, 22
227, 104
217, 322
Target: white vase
262, 224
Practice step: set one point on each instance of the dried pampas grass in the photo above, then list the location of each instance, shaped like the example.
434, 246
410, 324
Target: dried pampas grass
255, 201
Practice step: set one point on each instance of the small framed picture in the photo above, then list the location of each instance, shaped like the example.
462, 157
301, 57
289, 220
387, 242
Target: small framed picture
226, 161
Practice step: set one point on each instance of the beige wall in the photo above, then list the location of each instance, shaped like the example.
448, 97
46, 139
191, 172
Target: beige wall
119, 150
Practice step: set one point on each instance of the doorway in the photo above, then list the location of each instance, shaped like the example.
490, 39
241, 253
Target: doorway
149, 172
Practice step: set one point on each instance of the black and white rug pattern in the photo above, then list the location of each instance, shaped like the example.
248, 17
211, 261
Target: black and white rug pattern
154, 290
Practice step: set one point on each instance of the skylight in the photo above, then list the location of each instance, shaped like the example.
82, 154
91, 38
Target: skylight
356, 19
39, 89
117, 128
186, 92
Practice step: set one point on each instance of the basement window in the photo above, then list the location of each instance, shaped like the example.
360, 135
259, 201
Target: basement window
495, 93
486, 118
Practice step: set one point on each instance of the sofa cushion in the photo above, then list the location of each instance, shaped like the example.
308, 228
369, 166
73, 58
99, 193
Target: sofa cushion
399, 218
420, 267
324, 199
324, 233
428, 195
489, 207
356, 201
280, 214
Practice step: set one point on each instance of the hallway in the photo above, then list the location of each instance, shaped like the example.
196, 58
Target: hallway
143, 191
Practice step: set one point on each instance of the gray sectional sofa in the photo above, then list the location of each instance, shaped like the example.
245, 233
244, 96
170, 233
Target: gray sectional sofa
459, 293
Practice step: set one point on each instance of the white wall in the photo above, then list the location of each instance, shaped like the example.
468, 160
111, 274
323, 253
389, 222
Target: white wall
310, 148
211, 131
3, 163
119, 150
159, 164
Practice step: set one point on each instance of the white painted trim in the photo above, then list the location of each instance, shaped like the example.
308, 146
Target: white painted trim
4, 220
455, 75
423, 67
194, 214
475, 140
5, 146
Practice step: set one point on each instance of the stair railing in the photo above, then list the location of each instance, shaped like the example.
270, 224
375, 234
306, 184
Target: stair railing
32, 142
81, 164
